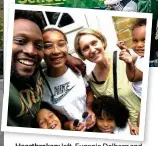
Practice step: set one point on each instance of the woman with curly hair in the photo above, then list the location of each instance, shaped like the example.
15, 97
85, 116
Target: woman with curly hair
111, 116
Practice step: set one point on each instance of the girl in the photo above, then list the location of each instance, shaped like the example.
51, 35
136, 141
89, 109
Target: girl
64, 90
112, 116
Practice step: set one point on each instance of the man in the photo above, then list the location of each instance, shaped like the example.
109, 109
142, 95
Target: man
26, 84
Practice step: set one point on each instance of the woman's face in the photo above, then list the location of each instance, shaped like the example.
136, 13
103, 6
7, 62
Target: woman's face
55, 49
91, 48
46, 119
106, 125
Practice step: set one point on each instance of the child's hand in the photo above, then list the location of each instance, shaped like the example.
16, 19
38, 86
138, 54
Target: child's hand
69, 125
90, 122
79, 127
134, 130
125, 56
122, 45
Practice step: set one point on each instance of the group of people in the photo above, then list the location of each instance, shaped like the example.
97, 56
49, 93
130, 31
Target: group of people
59, 96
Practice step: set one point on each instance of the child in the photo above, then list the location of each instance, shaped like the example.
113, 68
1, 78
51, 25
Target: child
48, 118
134, 64
111, 116
64, 90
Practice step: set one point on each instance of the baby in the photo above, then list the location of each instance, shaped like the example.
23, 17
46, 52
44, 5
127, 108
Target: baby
134, 62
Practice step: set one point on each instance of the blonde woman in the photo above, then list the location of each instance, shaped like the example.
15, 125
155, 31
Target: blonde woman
91, 45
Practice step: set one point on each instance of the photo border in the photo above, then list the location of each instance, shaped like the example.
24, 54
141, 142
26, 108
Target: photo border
10, 24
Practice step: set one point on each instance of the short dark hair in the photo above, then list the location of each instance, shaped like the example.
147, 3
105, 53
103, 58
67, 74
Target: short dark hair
34, 16
139, 22
111, 108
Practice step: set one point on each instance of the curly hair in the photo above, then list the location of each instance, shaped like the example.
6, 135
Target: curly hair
105, 106
139, 22
34, 16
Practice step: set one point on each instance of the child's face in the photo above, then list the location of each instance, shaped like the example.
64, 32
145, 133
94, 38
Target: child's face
138, 38
55, 49
106, 125
46, 119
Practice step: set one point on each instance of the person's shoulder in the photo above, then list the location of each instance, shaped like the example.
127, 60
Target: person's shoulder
71, 72
13, 91
122, 131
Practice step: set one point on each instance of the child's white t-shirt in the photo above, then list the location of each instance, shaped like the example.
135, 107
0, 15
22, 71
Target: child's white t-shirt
122, 131
69, 92
137, 86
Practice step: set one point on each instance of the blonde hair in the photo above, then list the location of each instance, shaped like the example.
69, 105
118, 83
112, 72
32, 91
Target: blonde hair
88, 31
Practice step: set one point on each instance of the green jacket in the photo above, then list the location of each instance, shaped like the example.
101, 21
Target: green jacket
24, 104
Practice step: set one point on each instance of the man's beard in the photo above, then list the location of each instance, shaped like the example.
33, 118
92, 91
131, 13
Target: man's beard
21, 82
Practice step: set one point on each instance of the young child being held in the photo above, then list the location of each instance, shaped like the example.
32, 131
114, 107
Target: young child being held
134, 63
111, 116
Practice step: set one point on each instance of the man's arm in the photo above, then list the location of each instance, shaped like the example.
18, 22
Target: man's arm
76, 64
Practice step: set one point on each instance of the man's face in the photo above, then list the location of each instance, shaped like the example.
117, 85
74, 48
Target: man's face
27, 47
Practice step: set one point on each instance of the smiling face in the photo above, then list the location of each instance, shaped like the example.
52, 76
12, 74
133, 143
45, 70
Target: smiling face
106, 125
138, 38
27, 47
48, 120
55, 49
91, 48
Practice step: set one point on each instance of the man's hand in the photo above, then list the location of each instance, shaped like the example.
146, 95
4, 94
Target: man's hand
77, 65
